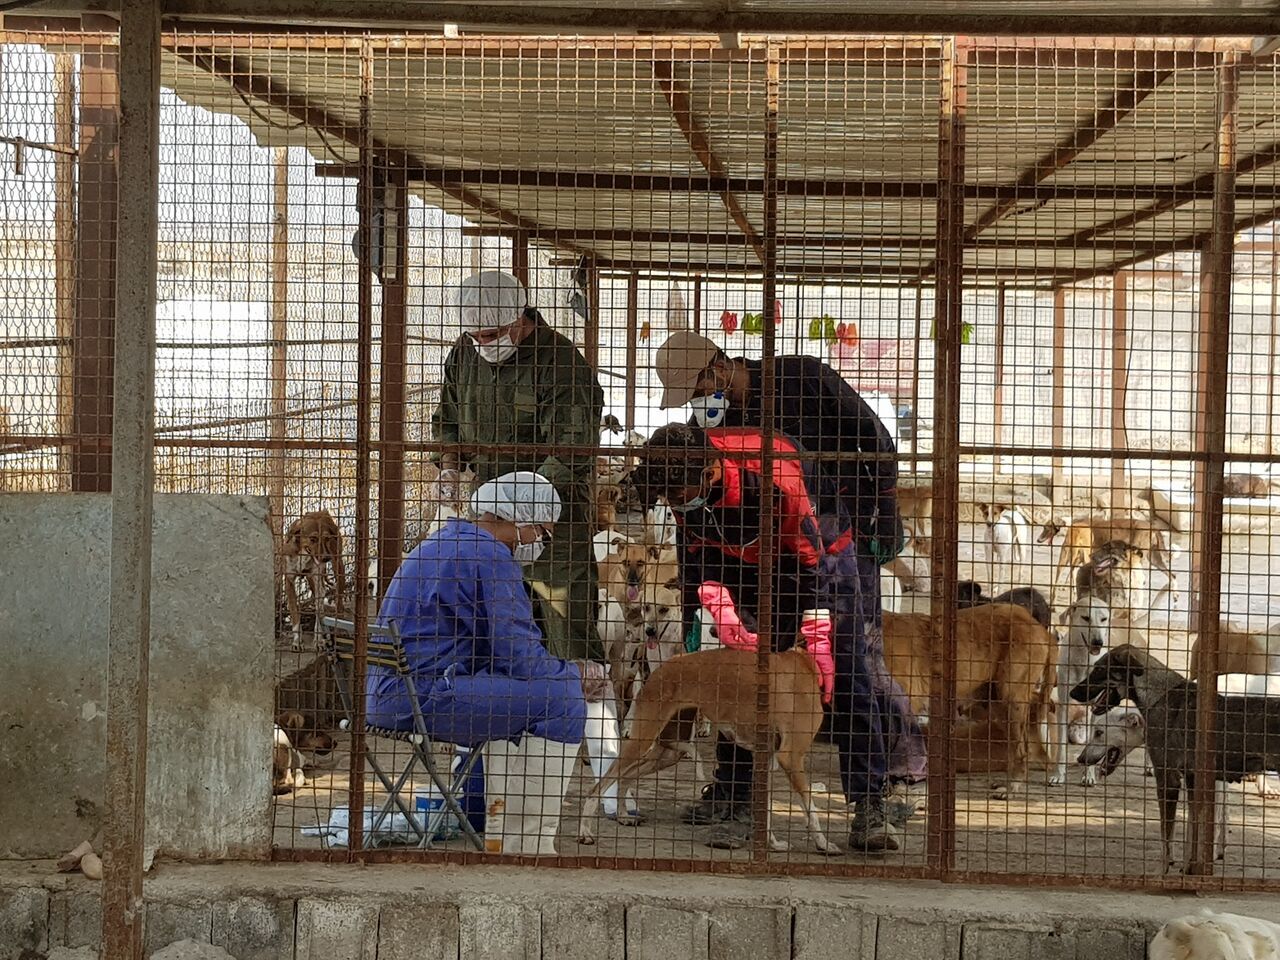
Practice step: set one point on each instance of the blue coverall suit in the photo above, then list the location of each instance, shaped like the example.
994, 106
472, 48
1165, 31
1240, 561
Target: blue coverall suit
481, 670
857, 721
816, 408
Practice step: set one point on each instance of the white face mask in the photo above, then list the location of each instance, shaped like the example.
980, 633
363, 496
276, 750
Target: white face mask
528, 552
497, 351
709, 411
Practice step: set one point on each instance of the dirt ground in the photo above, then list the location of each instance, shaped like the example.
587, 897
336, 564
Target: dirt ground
1107, 830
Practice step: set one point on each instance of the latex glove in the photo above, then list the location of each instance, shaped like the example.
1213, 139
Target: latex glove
717, 601
595, 680
815, 632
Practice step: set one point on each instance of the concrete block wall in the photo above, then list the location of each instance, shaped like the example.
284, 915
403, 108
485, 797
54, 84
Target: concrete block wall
423, 912
211, 692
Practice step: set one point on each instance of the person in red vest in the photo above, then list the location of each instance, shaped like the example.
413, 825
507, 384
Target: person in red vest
713, 481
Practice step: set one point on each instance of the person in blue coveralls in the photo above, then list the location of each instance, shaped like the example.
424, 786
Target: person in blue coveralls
483, 676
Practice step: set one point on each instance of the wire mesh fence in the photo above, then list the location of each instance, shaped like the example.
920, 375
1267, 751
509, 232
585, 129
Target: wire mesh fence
756, 305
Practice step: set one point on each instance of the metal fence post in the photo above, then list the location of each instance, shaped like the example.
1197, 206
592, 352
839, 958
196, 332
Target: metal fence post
941, 843
1213, 353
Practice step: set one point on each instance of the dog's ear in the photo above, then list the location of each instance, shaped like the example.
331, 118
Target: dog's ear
1133, 720
672, 584
292, 720
655, 551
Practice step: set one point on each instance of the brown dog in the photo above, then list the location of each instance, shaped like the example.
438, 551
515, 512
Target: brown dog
1113, 576
608, 494
721, 686
311, 543
630, 573
1241, 651
1001, 654
1153, 537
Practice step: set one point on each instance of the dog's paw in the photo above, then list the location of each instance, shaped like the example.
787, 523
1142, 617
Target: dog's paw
1268, 786
778, 846
1056, 779
1090, 777
586, 839
629, 819
827, 848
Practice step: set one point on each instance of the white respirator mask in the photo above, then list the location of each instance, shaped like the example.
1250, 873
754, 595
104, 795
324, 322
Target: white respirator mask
527, 553
709, 411
498, 351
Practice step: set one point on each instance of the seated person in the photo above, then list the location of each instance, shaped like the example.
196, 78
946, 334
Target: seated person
481, 671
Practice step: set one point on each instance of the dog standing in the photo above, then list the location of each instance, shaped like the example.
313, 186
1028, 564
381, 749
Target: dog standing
1001, 652
1152, 536
1088, 623
312, 543
1008, 537
1113, 576
1248, 735
721, 685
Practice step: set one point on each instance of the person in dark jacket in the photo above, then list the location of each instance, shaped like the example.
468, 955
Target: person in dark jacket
714, 484
517, 395
820, 411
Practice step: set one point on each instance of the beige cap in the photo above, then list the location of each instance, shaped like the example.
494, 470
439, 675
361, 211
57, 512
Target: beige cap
679, 362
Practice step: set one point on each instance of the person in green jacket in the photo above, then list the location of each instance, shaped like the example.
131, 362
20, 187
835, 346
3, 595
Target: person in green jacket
512, 381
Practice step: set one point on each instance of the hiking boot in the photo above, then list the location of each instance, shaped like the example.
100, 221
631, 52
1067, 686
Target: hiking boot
717, 806
871, 832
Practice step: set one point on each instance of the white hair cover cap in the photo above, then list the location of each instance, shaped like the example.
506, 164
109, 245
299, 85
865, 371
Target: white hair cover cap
490, 299
522, 497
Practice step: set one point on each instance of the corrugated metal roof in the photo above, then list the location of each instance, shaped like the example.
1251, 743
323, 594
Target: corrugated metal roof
580, 142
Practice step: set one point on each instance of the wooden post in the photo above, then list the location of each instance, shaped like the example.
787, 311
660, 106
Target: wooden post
366, 199
95, 272
915, 381
998, 398
133, 296
1213, 350
395, 347
1121, 496
1059, 401
1274, 355
520, 257
279, 347
633, 332
763, 733
940, 845
591, 326
64, 249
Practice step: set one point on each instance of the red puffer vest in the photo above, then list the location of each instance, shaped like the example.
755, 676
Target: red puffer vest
799, 521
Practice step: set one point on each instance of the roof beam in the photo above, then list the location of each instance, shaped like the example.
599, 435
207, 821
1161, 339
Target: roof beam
1126, 99
682, 107
1189, 191
1192, 242
794, 187
716, 19
269, 92
823, 242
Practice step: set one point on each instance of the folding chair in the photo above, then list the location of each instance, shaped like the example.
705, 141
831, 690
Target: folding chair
386, 650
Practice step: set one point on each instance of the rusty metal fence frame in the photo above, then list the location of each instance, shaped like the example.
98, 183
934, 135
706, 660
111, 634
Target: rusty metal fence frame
132, 444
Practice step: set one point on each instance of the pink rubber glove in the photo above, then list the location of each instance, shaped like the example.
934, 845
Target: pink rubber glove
717, 601
816, 634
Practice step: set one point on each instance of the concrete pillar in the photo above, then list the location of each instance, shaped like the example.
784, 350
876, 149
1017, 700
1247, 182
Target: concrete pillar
132, 479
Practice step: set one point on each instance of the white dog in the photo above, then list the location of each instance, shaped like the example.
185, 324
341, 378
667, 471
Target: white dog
1216, 936
1008, 539
1088, 622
